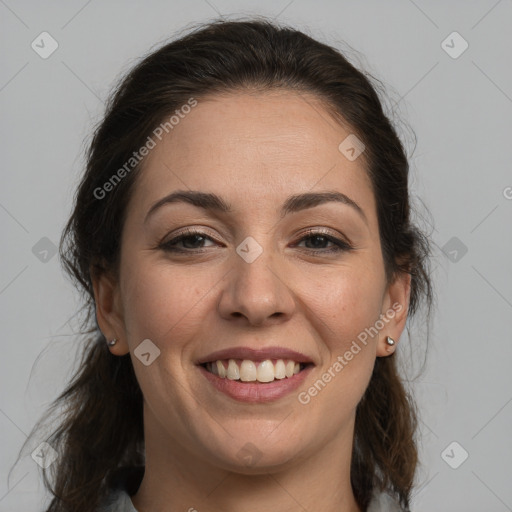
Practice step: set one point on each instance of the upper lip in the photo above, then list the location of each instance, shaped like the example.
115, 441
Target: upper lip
256, 355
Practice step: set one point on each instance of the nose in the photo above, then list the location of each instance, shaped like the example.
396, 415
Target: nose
256, 293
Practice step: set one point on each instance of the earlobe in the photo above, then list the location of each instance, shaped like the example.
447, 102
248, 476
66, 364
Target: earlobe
395, 309
109, 315
391, 343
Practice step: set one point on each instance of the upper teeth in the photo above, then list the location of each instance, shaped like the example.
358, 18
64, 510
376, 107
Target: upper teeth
250, 371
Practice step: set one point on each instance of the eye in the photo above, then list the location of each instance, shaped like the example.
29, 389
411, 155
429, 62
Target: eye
187, 238
321, 238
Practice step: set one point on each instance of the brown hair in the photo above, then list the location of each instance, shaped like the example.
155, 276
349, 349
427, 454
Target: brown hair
100, 421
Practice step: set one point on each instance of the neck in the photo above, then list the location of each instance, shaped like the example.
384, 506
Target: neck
176, 480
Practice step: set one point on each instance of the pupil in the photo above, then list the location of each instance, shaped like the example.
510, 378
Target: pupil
317, 238
195, 239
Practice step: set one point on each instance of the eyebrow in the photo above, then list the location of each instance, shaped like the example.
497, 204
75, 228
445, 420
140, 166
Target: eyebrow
294, 203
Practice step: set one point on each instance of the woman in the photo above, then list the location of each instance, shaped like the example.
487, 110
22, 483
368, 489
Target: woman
242, 235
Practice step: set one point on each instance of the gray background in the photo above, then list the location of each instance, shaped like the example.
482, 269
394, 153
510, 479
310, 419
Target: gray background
461, 111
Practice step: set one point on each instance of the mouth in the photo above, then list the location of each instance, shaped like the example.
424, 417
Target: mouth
253, 381
255, 375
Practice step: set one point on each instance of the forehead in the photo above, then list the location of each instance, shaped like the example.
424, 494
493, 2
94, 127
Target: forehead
253, 145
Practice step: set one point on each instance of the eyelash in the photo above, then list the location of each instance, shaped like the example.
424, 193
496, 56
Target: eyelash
340, 245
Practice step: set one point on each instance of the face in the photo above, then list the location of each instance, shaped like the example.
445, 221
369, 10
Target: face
310, 279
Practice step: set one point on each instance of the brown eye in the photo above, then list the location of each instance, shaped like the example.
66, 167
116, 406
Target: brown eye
320, 239
191, 240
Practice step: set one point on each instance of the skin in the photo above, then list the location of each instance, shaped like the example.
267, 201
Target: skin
253, 150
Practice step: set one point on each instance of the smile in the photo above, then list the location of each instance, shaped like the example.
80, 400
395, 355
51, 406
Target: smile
249, 381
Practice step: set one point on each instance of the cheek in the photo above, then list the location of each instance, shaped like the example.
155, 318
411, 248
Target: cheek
349, 307
162, 302
350, 302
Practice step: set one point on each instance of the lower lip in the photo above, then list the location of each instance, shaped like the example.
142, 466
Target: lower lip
256, 391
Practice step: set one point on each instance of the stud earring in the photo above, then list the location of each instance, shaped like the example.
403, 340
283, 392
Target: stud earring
112, 342
391, 343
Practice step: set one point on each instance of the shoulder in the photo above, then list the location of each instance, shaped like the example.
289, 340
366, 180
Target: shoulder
117, 501
123, 484
384, 502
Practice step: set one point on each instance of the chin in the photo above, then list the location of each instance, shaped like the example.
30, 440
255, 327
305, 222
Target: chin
256, 456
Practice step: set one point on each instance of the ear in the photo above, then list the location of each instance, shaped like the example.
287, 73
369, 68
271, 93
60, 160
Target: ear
395, 306
109, 313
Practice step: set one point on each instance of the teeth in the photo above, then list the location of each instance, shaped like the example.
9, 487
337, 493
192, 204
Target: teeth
249, 371
221, 371
280, 369
290, 368
233, 371
265, 371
